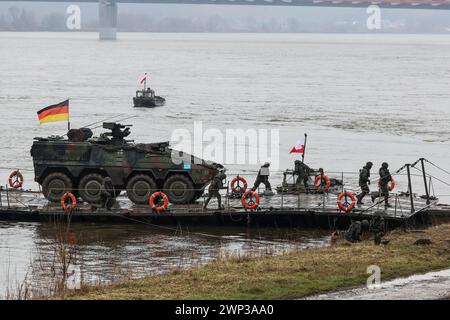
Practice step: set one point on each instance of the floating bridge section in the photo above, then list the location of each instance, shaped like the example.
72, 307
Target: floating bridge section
108, 9
280, 210
290, 206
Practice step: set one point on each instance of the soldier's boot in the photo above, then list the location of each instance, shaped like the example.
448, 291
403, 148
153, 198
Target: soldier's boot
387, 205
386, 202
205, 205
373, 197
219, 201
256, 185
360, 197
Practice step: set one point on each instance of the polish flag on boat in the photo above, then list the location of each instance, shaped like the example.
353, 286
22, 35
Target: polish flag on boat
298, 148
144, 79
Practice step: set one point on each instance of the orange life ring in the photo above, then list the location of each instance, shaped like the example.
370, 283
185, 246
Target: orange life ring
68, 202
238, 188
158, 207
346, 207
318, 182
15, 179
391, 184
252, 205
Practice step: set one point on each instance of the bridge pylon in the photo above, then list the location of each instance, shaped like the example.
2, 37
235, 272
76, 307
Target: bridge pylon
107, 13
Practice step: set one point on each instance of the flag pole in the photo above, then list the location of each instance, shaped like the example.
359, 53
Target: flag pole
68, 118
145, 81
304, 149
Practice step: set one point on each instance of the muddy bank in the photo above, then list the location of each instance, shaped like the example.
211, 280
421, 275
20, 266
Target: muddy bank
293, 275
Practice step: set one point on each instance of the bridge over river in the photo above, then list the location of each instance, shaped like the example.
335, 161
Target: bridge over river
108, 8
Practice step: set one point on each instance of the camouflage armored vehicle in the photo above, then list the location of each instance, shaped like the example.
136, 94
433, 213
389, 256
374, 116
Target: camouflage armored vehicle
79, 164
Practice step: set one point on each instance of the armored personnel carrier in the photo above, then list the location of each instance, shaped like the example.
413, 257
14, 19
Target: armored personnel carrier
79, 164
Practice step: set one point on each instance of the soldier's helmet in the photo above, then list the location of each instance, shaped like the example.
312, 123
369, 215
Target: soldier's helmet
267, 164
385, 165
297, 162
365, 224
369, 164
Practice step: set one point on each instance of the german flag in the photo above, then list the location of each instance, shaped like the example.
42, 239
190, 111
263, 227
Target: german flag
56, 112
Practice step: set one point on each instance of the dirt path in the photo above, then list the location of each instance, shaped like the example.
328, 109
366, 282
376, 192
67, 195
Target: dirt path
432, 285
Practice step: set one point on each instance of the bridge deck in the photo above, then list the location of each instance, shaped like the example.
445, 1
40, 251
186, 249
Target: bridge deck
304, 210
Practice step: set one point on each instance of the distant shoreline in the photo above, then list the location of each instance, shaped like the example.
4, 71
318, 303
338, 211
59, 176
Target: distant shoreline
236, 32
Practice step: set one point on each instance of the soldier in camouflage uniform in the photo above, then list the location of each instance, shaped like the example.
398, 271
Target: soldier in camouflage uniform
377, 226
107, 193
364, 181
385, 178
302, 171
214, 188
263, 177
355, 231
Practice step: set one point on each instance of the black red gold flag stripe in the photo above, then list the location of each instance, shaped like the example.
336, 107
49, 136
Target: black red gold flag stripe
56, 112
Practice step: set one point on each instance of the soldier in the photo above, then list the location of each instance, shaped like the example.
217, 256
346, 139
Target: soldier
377, 226
364, 181
355, 231
385, 178
302, 171
263, 177
213, 191
107, 193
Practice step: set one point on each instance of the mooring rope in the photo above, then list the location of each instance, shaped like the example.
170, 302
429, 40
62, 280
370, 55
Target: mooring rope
177, 230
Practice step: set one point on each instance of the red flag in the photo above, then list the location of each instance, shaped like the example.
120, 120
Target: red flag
298, 148
144, 79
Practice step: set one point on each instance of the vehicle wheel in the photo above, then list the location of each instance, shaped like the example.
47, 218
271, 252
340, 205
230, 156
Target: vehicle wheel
55, 185
140, 188
179, 189
90, 188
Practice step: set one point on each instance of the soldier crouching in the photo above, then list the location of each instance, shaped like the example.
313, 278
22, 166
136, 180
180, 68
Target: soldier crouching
107, 194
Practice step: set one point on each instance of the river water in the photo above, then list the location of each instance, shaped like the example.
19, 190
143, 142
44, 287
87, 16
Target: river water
359, 98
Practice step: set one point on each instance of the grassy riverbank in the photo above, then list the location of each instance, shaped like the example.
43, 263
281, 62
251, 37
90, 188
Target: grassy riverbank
293, 275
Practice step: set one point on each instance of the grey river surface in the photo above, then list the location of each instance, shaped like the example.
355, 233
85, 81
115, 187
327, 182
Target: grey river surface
359, 98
